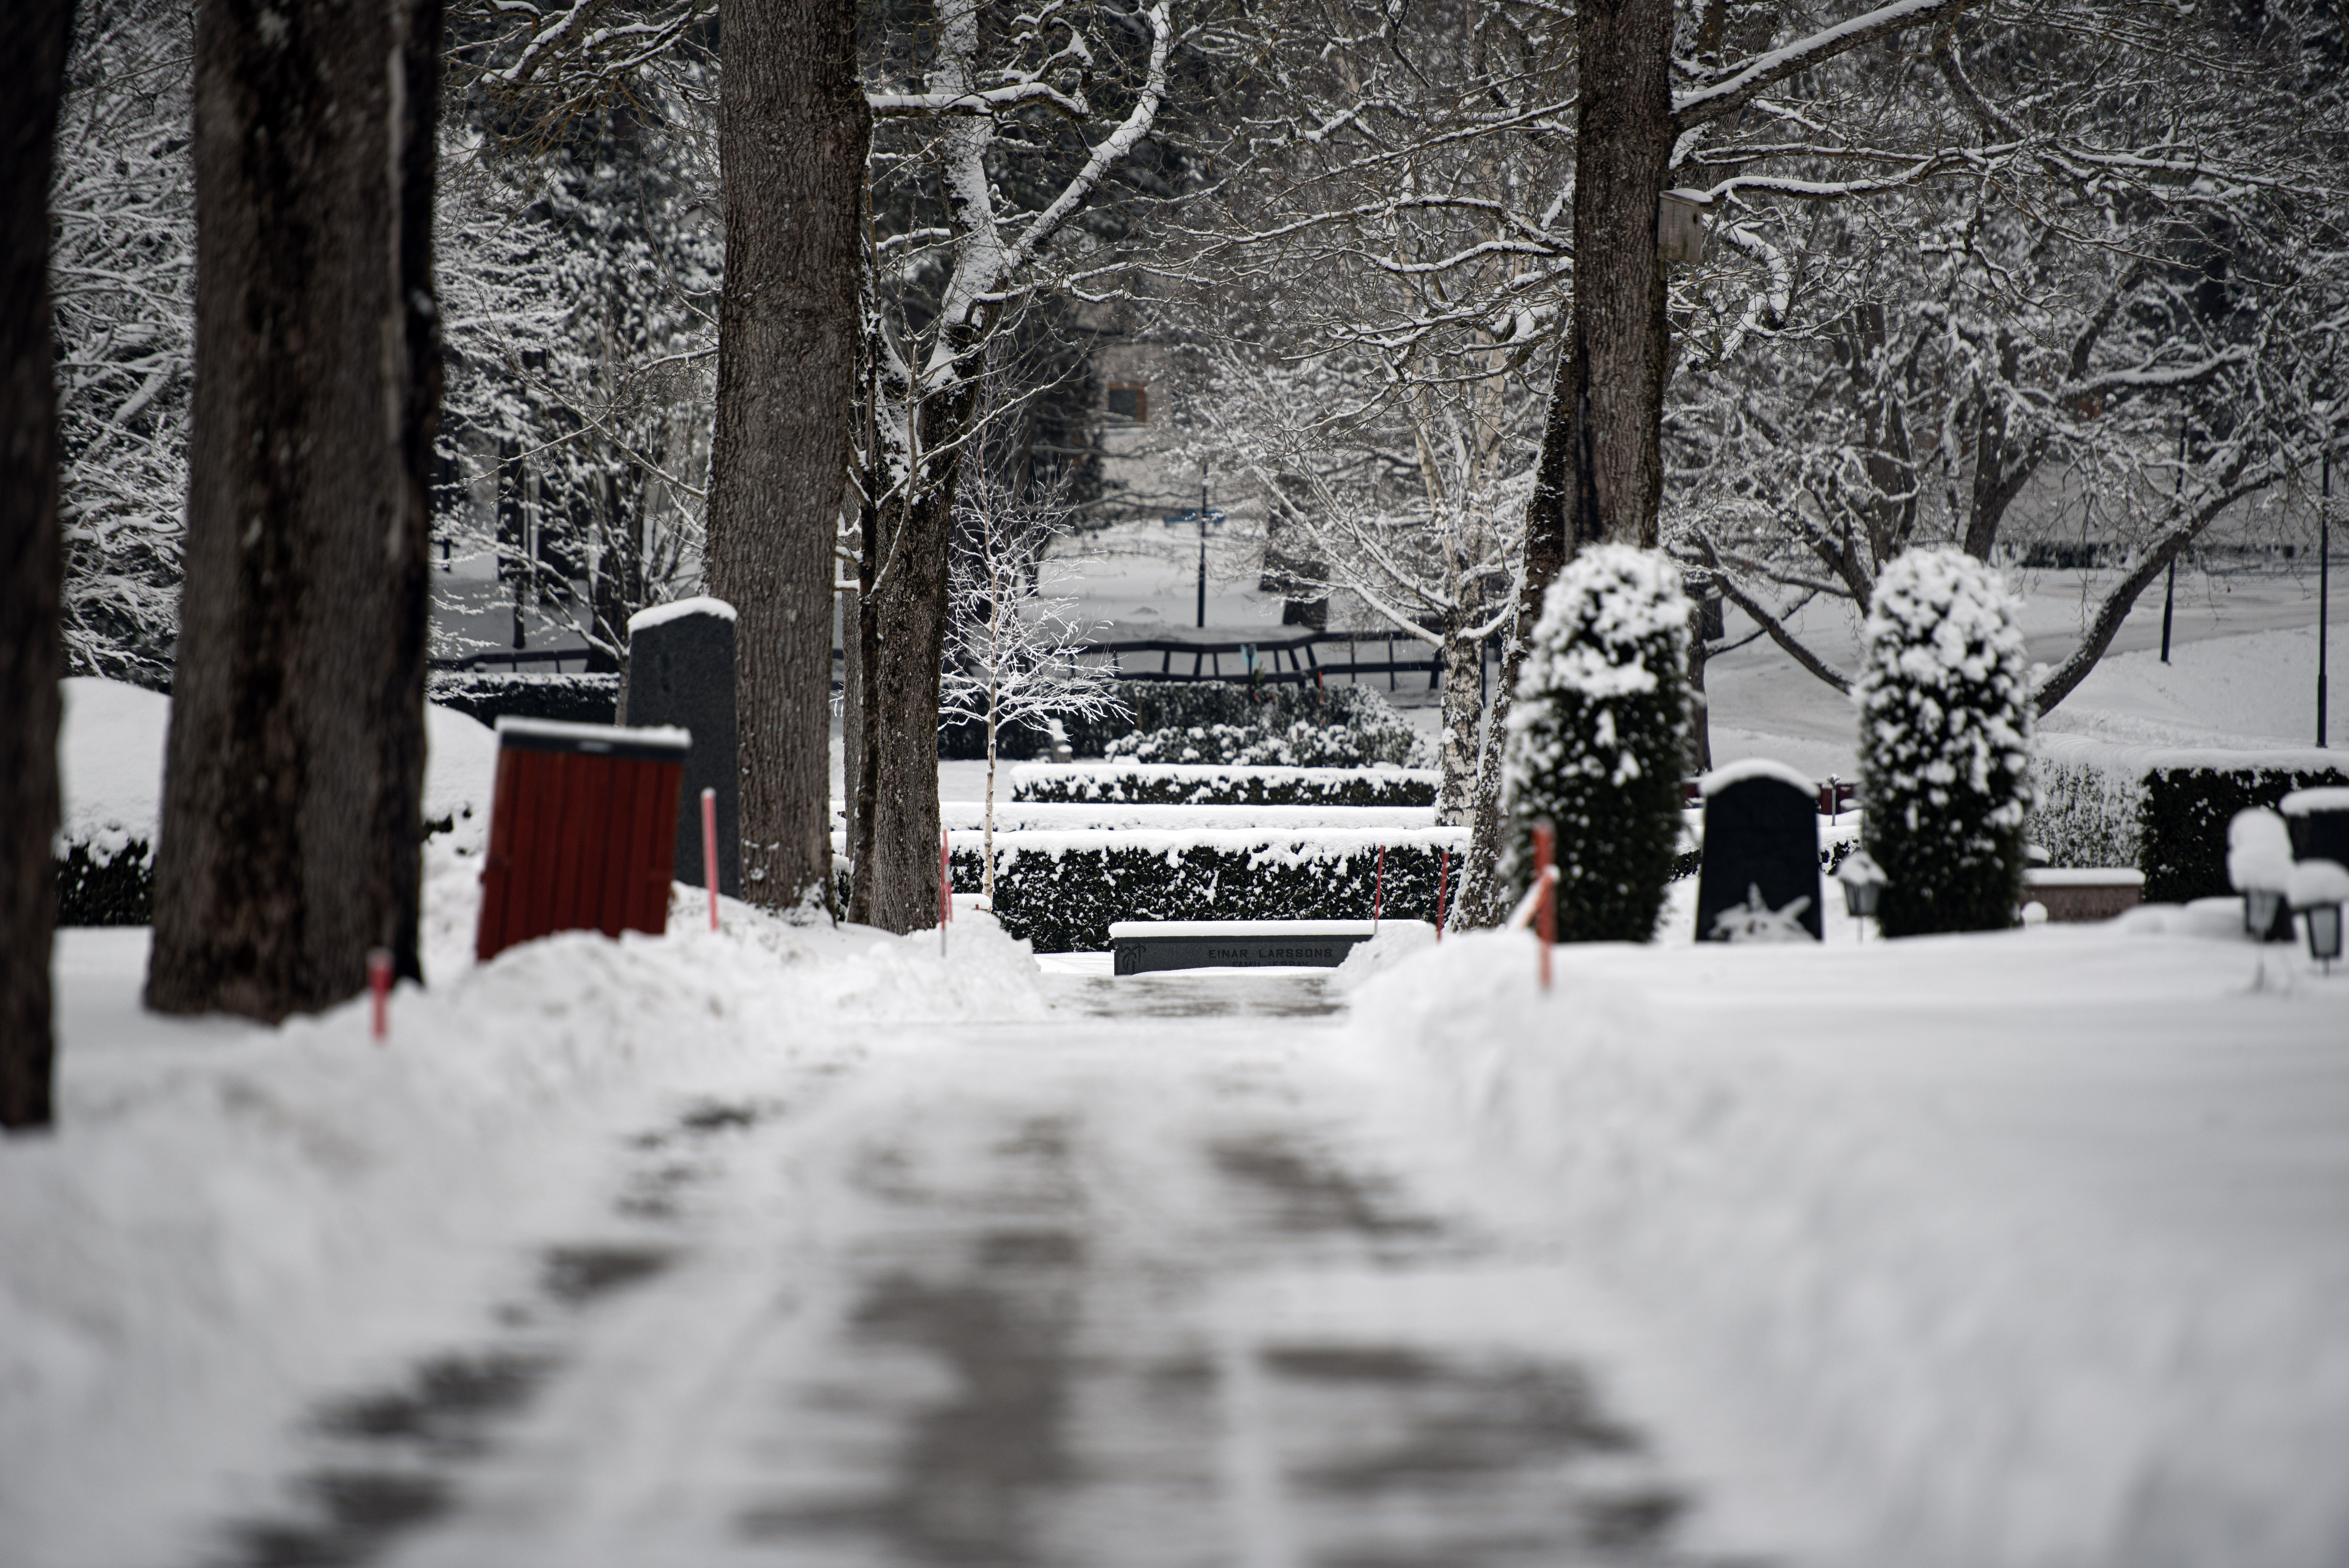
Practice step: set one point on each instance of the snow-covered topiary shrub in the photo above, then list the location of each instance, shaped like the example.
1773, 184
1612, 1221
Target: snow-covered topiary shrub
1944, 744
1599, 740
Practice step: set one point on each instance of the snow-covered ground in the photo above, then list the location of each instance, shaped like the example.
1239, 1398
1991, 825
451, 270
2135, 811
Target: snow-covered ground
230, 1219
2010, 1249
2020, 1249
2243, 672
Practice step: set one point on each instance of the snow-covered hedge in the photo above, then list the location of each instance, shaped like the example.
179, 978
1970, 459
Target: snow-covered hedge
1062, 891
1945, 743
1303, 744
1054, 817
491, 694
1183, 704
110, 752
1297, 728
1599, 740
2162, 811
1160, 784
107, 879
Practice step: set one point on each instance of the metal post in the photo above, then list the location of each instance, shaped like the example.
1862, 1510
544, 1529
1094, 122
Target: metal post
1202, 550
2169, 593
2324, 588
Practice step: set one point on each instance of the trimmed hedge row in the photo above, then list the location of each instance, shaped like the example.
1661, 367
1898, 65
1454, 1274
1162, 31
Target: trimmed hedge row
1175, 705
2182, 822
488, 695
2163, 811
1063, 891
110, 881
1174, 784
103, 883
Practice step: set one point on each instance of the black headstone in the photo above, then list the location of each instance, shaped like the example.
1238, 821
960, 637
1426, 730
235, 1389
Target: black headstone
1761, 837
681, 672
2321, 835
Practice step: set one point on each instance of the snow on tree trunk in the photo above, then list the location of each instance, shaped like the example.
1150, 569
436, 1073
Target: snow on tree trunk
31, 564
793, 133
904, 625
1597, 739
294, 776
1462, 712
1945, 744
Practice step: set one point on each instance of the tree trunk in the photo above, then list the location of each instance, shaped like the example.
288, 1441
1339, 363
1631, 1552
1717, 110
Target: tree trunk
851, 714
792, 135
31, 564
987, 838
1461, 713
295, 771
1700, 760
904, 629
1601, 474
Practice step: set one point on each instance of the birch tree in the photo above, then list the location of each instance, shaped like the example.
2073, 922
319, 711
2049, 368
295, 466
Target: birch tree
1012, 654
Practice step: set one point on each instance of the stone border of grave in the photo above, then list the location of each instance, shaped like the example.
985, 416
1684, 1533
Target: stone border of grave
1150, 946
2078, 894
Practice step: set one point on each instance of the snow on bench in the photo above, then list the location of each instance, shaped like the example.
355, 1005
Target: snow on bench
1143, 947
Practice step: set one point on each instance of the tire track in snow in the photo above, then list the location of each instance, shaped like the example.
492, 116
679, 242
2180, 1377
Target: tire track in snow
1027, 1297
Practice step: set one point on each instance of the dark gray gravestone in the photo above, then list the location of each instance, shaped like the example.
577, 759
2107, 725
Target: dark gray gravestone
2319, 821
1761, 865
681, 672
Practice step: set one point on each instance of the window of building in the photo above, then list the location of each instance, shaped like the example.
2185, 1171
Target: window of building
1130, 402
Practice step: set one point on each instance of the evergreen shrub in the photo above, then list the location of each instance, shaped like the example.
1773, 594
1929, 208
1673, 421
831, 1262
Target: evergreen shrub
1063, 891
1153, 784
1944, 697
2163, 811
1176, 706
2182, 822
490, 695
1597, 742
107, 880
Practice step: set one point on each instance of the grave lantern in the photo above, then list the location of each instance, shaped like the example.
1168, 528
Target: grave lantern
1863, 884
2317, 890
2258, 864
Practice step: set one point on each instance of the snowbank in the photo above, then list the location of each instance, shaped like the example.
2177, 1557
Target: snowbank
228, 1215
2017, 1250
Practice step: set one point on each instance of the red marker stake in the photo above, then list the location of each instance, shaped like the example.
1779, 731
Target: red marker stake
1377, 889
709, 851
1443, 886
1546, 908
380, 992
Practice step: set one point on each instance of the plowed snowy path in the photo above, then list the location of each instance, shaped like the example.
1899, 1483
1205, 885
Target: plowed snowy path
1133, 1287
